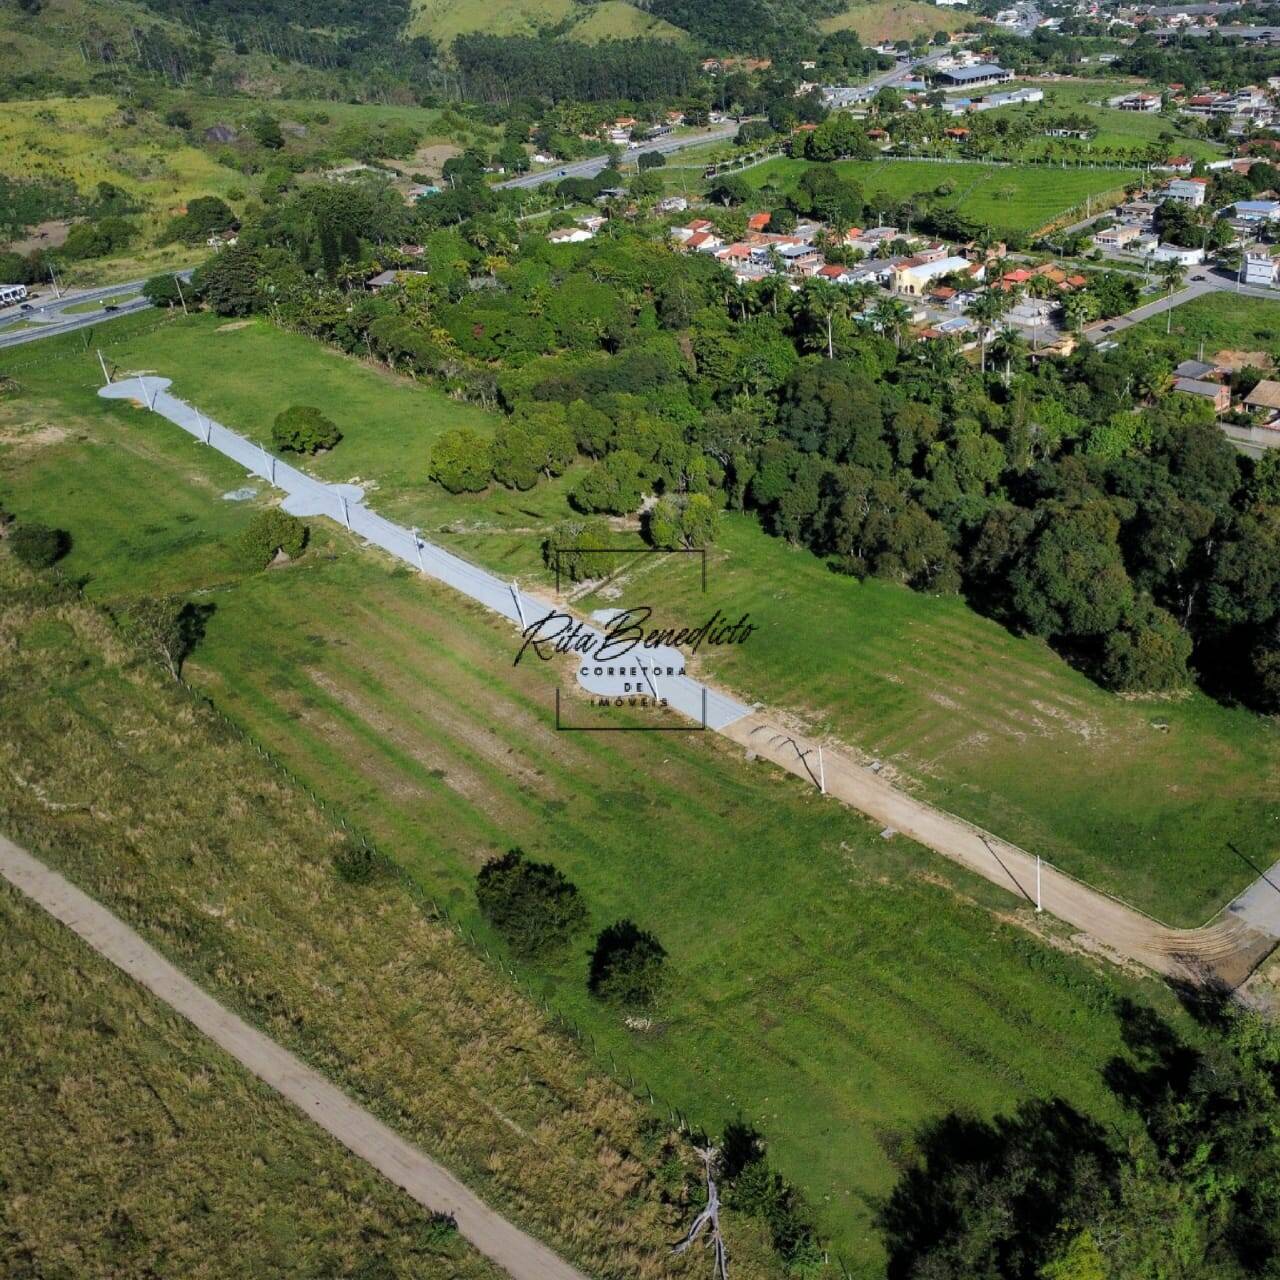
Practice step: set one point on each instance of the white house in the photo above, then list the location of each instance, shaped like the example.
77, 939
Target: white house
1259, 268
1256, 210
570, 235
1176, 253
1190, 191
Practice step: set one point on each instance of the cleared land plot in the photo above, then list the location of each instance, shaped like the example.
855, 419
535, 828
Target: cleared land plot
227, 867
132, 1146
896, 20
1005, 197
1222, 321
976, 717
833, 987
1143, 798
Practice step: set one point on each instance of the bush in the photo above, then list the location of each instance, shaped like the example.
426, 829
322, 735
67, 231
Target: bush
627, 965
37, 546
577, 547
162, 291
304, 429
268, 533
531, 904
356, 863
462, 461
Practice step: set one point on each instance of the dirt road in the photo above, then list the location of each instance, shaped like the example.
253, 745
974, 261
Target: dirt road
429, 1183
1224, 952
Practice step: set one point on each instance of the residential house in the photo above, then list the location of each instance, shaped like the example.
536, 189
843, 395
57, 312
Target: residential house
1198, 370
758, 221
1176, 253
1259, 268
703, 242
1216, 393
1189, 191
1264, 399
1256, 210
672, 204
690, 229
570, 235
1116, 237
1136, 102
384, 278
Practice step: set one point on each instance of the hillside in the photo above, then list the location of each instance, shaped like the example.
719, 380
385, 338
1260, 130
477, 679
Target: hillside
876, 20
443, 20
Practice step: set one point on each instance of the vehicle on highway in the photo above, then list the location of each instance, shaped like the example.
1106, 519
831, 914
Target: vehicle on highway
110, 306
26, 306
1108, 328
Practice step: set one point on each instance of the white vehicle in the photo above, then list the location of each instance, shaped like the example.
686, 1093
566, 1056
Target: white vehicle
11, 293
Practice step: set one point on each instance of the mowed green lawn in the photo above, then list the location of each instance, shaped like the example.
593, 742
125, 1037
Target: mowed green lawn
833, 987
1145, 799
1004, 197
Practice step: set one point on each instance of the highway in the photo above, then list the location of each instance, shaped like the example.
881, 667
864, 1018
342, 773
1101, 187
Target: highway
52, 317
596, 164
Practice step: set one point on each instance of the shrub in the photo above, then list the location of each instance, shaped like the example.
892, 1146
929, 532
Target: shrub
627, 965
37, 546
304, 429
531, 904
268, 533
577, 546
356, 863
462, 461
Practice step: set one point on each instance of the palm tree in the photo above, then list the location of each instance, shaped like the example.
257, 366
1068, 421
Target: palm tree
891, 316
1172, 274
1080, 309
1010, 346
986, 309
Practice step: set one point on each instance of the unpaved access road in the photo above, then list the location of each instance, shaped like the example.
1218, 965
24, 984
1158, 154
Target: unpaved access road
362, 1133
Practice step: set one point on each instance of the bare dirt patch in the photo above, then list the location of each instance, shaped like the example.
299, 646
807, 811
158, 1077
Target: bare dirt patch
429, 160
232, 325
44, 235
1236, 360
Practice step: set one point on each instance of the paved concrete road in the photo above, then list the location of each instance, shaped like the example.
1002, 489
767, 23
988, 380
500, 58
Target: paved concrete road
596, 164
429, 1183
52, 316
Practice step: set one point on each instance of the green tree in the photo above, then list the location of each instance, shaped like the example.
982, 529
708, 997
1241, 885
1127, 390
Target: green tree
230, 282
615, 485
268, 534
163, 290
531, 904
266, 131
628, 966
580, 549
462, 461
302, 428
165, 627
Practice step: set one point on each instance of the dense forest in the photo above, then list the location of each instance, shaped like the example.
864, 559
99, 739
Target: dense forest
501, 69
1071, 499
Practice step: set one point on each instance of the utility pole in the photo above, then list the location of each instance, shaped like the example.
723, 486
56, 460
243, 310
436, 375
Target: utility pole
346, 515
53, 275
105, 373
1039, 901
181, 296
417, 547
515, 592
822, 772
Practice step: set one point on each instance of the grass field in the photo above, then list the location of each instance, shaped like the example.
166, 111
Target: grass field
1222, 321
608, 20
617, 20
833, 987
877, 20
1118, 131
132, 1146
1005, 197
973, 716
227, 867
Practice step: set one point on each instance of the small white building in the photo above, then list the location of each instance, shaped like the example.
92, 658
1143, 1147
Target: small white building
1259, 268
570, 235
1176, 253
